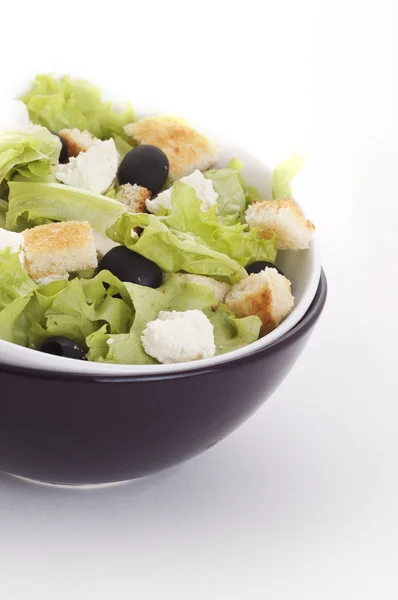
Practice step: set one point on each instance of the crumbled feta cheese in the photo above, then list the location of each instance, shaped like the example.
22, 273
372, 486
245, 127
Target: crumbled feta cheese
103, 244
203, 187
93, 170
179, 337
51, 278
14, 116
14, 241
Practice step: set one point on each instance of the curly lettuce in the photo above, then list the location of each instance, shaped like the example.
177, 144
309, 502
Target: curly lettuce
176, 294
29, 154
69, 103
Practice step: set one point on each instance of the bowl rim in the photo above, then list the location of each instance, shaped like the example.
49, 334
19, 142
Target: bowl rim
310, 317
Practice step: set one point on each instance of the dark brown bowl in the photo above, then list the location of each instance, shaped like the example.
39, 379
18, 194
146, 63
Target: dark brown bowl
75, 429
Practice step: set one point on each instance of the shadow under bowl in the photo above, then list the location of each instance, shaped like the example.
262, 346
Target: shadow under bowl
77, 429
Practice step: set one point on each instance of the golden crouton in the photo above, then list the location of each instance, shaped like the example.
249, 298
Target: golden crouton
266, 294
57, 249
284, 219
185, 148
135, 197
77, 141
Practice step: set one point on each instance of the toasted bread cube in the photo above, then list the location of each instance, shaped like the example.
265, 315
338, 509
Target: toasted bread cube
284, 219
266, 294
135, 197
77, 141
185, 148
57, 249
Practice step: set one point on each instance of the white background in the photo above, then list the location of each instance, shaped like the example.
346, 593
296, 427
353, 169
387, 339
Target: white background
302, 501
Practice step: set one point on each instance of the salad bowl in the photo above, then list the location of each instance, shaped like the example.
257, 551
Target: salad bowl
74, 422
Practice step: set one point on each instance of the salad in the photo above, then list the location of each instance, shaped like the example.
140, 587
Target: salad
120, 242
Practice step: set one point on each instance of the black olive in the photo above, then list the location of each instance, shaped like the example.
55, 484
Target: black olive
64, 155
260, 265
145, 165
63, 346
127, 265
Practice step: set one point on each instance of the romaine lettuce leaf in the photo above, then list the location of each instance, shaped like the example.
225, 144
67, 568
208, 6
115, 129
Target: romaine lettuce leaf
239, 241
33, 203
3, 212
231, 200
234, 195
72, 316
283, 175
231, 333
69, 103
29, 153
14, 281
174, 250
34, 314
176, 294
9, 317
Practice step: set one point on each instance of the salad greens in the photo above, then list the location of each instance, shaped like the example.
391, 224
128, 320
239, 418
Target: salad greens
283, 175
175, 294
30, 203
28, 153
98, 310
188, 239
173, 250
14, 281
75, 103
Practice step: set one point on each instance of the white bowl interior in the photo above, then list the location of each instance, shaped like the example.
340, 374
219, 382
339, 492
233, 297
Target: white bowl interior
302, 268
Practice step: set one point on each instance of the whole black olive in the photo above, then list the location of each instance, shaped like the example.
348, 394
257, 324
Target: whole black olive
63, 346
260, 265
64, 155
130, 266
145, 165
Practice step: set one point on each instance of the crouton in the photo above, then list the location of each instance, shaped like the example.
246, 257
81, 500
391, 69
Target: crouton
284, 219
219, 288
58, 249
185, 148
77, 141
135, 197
266, 294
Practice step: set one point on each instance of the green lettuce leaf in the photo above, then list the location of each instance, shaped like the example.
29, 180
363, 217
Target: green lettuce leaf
252, 194
239, 241
174, 250
14, 281
69, 103
283, 175
72, 316
3, 212
34, 314
28, 153
9, 316
231, 333
33, 203
231, 201
122, 146
174, 294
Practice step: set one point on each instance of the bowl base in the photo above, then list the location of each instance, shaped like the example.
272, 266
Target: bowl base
75, 486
